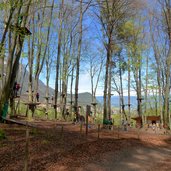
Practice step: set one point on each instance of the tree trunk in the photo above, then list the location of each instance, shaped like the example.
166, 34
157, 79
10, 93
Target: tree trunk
7, 26
129, 89
105, 111
71, 86
78, 59
167, 89
11, 79
121, 88
159, 75
64, 83
109, 89
58, 57
39, 58
48, 64
30, 61
2, 52
92, 83
146, 87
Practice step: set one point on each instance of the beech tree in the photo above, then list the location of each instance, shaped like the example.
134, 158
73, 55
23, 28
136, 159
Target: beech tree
82, 12
166, 9
19, 33
111, 15
118, 70
61, 13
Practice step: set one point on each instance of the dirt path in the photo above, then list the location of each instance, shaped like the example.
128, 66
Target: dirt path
149, 153
52, 149
133, 159
139, 157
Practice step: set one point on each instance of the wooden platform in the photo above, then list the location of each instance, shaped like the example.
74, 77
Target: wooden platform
30, 103
17, 116
32, 107
94, 104
55, 106
25, 123
47, 98
15, 97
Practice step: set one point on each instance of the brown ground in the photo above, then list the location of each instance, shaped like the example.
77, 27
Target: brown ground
52, 150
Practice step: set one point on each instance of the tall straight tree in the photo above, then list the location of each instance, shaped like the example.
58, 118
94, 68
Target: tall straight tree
7, 20
78, 58
135, 50
15, 53
122, 66
166, 9
46, 55
40, 58
118, 70
69, 24
95, 62
31, 56
159, 68
132, 32
12, 7
58, 55
43, 45
112, 14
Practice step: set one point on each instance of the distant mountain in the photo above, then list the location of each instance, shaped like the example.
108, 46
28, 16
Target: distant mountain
115, 102
83, 98
25, 80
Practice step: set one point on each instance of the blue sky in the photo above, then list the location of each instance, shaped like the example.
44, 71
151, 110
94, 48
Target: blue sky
92, 34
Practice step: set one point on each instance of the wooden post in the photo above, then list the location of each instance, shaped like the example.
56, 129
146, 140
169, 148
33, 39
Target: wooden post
27, 109
32, 107
113, 129
62, 138
62, 130
26, 160
81, 126
138, 133
169, 120
88, 109
118, 131
98, 131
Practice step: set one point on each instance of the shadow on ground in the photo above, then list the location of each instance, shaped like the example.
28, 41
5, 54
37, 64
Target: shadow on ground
67, 149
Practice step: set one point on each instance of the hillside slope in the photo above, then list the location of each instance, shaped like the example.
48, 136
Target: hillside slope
83, 98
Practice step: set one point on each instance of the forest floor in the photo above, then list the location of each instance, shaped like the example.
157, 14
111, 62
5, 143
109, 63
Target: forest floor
59, 146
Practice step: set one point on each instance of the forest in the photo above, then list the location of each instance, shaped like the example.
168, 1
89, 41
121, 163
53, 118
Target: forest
58, 58
123, 45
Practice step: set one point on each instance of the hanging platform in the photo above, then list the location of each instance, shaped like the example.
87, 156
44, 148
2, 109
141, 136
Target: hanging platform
55, 106
32, 103
32, 107
25, 123
140, 99
76, 106
63, 95
94, 104
47, 98
15, 97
